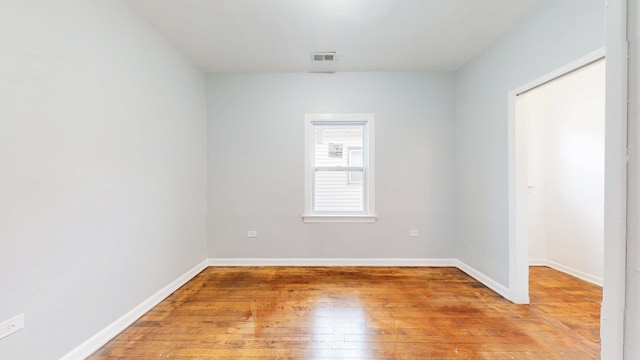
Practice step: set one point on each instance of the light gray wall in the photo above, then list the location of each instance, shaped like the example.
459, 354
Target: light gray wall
103, 169
558, 32
256, 164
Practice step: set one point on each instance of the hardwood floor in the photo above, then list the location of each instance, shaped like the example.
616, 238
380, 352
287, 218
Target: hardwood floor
363, 313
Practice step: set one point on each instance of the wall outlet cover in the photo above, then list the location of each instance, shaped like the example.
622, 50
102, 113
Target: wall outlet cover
12, 325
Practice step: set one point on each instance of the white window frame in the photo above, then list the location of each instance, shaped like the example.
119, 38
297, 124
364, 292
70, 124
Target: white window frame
368, 149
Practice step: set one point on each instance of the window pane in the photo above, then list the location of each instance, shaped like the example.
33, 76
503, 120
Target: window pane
355, 177
333, 142
333, 192
355, 160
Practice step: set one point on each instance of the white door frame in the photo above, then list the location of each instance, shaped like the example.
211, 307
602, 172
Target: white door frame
518, 237
612, 318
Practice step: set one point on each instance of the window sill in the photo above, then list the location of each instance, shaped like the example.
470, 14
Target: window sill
312, 218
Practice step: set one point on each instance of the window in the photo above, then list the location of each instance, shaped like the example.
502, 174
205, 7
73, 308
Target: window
339, 168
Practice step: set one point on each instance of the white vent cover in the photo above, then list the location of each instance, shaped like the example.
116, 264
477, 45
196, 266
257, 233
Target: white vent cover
323, 56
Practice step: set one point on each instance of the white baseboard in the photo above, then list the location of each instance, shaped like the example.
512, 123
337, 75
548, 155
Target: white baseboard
98, 340
400, 262
485, 280
567, 270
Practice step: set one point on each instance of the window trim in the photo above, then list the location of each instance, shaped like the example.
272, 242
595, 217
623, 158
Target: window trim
368, 215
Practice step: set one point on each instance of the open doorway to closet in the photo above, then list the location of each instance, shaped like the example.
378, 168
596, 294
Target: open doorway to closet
560, 147
565, 172
556, 147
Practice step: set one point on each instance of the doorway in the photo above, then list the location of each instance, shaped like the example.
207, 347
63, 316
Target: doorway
556, 184
565, 172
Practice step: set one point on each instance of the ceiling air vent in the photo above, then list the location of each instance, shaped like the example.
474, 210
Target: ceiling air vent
323, 56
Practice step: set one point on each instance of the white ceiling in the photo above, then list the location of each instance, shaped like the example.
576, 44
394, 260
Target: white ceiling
369, 35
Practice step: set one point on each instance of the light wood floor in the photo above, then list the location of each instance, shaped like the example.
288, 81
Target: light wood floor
363, 313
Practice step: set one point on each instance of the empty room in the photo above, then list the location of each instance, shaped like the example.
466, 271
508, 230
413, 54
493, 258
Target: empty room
319, 179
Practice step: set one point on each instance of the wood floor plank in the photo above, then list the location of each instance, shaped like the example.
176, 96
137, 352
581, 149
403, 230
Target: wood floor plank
363, 313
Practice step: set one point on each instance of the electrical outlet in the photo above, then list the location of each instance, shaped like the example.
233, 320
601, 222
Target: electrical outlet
12, 325
252, 234
413, 233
